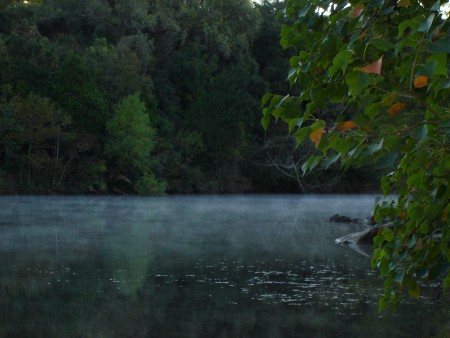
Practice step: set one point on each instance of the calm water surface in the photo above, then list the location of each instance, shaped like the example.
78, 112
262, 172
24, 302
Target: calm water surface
210, 266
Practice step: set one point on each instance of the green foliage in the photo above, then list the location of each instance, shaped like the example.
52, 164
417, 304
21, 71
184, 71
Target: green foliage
35, 133
119, 71
200, 66
131, 139
149, 185
76, 91
387, 63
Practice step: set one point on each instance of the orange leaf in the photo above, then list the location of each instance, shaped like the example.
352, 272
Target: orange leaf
316, 136
374, 68
403, 214
421, 81
396, 108
357, 10
345, 125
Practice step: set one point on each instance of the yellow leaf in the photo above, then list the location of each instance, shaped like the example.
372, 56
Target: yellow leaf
403, 3
345, 125
396, 108
414, 291
364, 33
316, 136
421, 81
374, 68
357, 10
389, 99
444, 216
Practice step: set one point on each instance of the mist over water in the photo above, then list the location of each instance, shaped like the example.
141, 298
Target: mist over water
203, 266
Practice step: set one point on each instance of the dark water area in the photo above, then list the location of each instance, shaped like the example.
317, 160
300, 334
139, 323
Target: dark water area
204, 266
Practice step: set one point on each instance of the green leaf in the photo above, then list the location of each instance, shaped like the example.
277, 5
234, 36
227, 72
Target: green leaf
391, 142
295, 123
388, 234
425, 25
294, 61
281, 101
441, 63
382, 44
301, 134
291, 73
357, 82
384, 267
373, 148
330, 160
388, 10
372, 110
304, 11
436, 6
386, 161
341, 61
440, 46
414, 24
266, 98
291, 109
412, 242
266, 118
356, 151
443, 84
427, 70
399, 277
311, 163
385, 185
447, 280
420, 132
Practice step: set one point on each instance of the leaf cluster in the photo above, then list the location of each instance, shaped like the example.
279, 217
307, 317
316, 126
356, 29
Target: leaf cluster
386, 64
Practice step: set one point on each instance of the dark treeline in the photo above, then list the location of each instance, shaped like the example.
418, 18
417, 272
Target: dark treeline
150, 96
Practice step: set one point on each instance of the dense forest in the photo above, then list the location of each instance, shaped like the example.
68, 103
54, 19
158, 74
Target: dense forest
120, 96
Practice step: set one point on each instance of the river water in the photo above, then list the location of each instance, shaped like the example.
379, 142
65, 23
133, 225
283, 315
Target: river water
202, 266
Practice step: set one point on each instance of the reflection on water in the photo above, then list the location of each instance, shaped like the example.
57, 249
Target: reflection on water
233, 266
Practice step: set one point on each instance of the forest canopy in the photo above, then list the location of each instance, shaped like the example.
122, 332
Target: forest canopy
186, 75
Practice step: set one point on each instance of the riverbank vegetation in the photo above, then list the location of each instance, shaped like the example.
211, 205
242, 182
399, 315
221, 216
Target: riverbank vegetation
148, 97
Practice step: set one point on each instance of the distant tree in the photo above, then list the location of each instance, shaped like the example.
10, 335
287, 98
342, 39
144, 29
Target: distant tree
118, 70
387, 63
130, 142
76, 92
36, 133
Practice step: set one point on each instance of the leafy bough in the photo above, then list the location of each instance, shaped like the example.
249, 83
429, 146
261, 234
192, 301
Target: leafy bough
386, 64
